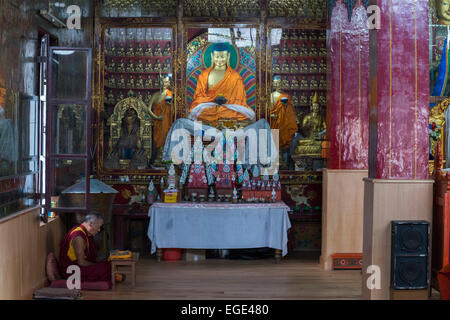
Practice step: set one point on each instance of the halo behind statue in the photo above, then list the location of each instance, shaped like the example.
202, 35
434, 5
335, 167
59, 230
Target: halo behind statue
234, 55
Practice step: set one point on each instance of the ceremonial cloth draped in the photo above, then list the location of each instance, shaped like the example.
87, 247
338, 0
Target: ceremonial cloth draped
218, 226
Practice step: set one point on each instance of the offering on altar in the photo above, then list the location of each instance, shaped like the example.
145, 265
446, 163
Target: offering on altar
171, 193
225, 179
197, 182
152, 195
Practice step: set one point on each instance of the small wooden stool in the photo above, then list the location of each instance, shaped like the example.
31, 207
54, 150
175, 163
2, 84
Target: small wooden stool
115, 263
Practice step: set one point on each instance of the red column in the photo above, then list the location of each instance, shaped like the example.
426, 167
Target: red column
348, 108
399, 91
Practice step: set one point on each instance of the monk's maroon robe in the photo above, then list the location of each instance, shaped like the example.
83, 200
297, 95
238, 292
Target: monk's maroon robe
100, 271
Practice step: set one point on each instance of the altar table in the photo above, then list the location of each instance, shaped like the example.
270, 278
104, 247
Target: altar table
219, 226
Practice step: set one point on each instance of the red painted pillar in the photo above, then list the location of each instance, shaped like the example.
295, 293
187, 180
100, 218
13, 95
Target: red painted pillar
348, 107
399, 91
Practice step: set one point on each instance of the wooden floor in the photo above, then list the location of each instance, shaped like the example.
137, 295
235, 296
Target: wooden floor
293, 278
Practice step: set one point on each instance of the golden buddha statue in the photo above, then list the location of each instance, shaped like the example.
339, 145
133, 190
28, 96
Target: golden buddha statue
149, 51
111, 66
313, 124
313, 51
284, 36
313, 67
303, 67
140, 83
285, 83
166, 67
304, 50
157, 66
157, 51
148, 98
276, 52
295, 100
130, 52
130, 67
220, 93
167, 50
120, 97
121, 51
121, 82
285, 67
110, 99
111, 82
322, 35
130, 83
285, 51
148, 66
294, 67
304, 84
322, 83
322, 51
303, 35
322, 99
139, 50
139, 96
121, 67
294, 35
303, 100
149, 82
443, 10
294, 52
294, 83
312, 35
111, 51
139, 67
322, 66
313, 84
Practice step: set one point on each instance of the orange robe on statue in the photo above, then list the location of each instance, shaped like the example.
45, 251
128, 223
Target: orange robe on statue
286, 121
231, 87
161, 127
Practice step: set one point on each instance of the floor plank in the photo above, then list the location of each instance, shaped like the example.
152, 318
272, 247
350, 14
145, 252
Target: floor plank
235, 279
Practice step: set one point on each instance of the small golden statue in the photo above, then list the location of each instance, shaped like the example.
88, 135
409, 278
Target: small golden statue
304, 84
294, 67
157, 66
284, 36
312, 35
148, 98
130, 67
130, 83
148, 51
285, 83
285, 67
303, 35
304, 50
157, 51
276, 52
121, 67
111, 66
276, 67
120, 97
313, 83
322, 66
294, 83
313, 126
295, 100
313, 51
294, 35
167, 50
322, 83
111, 82
303, 100
304, 67
121, 51
121, 83
166, 67
322, 51
140, 83
130, 52
294, 52
111, 99
285, 51
149, 82
139, 50
111, 51
313, 67
139, 96
139, 67
148, 66
323, 99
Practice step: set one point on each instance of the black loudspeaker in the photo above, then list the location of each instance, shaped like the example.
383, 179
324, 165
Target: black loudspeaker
410, 255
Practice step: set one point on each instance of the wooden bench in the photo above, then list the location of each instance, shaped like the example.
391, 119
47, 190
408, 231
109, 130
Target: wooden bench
118, 264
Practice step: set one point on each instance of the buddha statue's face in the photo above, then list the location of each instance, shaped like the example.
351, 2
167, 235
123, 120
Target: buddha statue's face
219, 59
443, 7
315, 107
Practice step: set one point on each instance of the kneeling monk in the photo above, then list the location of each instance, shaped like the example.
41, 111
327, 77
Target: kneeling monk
78, 248
220, 80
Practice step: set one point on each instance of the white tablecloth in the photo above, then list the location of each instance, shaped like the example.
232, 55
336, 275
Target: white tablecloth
218, 226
